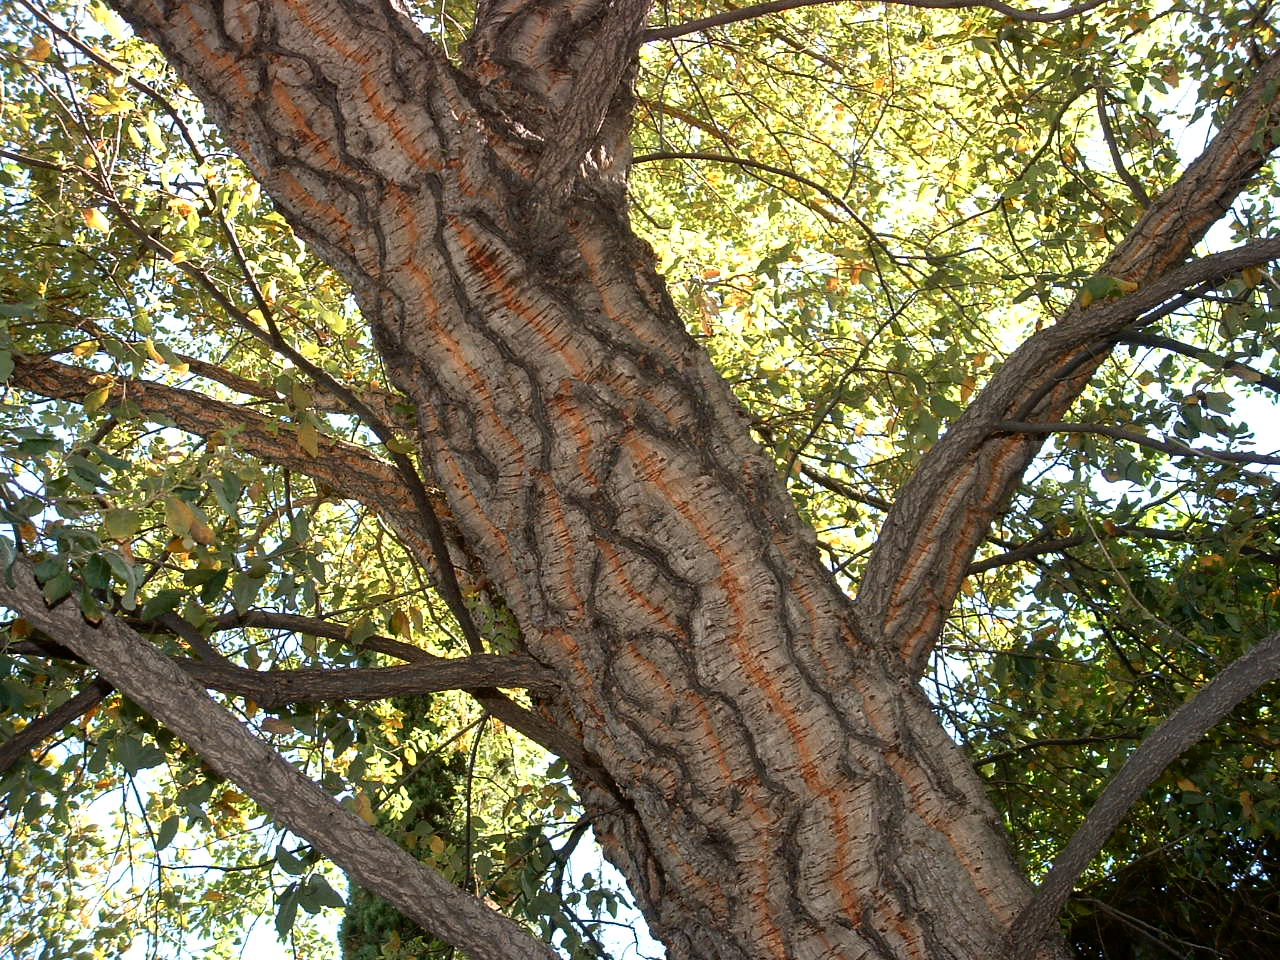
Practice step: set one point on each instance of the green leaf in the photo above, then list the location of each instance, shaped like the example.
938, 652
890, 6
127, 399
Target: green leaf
168, 830
165, 601
135, 755
309, 439
178, 515
127, 574
287, 911
122, 523
97, 572
25, 309
289, 863
57, 587
316, 894
94, 400
244, 590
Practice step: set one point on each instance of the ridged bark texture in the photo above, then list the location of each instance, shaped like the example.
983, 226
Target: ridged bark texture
776, 786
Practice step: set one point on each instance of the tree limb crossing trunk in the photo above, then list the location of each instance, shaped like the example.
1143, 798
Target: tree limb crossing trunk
775, 784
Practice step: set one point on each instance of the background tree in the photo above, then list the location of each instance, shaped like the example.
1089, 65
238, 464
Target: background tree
475, 440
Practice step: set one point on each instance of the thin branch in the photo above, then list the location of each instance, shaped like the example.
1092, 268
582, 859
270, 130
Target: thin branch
151, 680
752, 164
1108, 134
1161, 747
946, 507
1131, 436
1036, 548
1243, 371
40, 729
1052, 742
275, 688
1143, 929
448, 585
778, 6
524, 721
351, 471
449, 588
840, 488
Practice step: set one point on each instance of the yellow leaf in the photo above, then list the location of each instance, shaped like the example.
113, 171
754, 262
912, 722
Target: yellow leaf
1126, 286
178, 256
213, 896
152, 352
178, 515
96, 399
309, 439
364, 808
96, 219
86, 349
1251, 276
201, 532
1188, 786
400, 623
40, 49
276, 725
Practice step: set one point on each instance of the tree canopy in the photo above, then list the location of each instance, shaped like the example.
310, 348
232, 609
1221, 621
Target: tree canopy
861, 211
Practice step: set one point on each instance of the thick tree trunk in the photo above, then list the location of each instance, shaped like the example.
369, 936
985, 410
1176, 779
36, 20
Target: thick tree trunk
751, 746
774, 784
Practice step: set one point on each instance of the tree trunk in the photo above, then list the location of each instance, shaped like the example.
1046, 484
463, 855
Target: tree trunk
766, 773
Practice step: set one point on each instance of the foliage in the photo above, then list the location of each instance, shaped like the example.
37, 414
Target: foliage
861, 211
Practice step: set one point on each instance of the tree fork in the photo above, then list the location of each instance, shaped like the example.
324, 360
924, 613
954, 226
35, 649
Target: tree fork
779, 787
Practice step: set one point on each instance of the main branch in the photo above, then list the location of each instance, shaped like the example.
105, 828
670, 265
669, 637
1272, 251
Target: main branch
944, 510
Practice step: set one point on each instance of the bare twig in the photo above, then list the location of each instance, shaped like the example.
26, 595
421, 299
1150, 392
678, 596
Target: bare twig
778, 6
1131, 436
1108, 134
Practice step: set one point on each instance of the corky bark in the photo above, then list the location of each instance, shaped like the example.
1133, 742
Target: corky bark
775, 787
765, 771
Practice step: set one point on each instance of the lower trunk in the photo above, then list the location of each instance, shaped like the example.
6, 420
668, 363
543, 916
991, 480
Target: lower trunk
865, 836
779, 786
